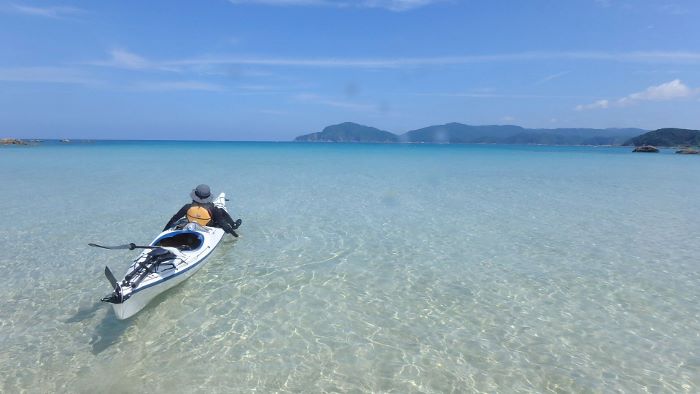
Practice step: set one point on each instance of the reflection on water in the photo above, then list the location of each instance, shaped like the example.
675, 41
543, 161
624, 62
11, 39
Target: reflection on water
107, 333
85, 313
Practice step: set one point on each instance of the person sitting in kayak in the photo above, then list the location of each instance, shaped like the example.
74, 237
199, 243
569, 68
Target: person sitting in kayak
202, 211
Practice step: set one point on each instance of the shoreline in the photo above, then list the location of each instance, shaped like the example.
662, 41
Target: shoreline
30, 142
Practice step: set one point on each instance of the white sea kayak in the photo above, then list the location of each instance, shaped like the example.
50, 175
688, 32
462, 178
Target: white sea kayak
173, 256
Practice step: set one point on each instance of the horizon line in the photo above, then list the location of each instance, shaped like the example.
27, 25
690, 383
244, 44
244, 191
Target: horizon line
292, 139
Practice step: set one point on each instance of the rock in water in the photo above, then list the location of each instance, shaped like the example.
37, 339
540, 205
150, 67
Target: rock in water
687, 151
11, 141
646, 149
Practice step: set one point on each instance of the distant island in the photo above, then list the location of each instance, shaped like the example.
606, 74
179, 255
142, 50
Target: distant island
349, 132
458, 133
666, 138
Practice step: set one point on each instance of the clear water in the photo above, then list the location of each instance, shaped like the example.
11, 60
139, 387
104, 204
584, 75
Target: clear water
360, 268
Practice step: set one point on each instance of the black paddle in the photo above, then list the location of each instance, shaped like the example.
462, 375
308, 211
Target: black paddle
130, 246
116, 297
112, 280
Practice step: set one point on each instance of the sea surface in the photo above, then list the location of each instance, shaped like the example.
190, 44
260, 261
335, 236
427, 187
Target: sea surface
360, 268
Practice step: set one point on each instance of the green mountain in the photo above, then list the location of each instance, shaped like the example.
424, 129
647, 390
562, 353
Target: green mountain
458, 133
573, 136
667, 137
349, 132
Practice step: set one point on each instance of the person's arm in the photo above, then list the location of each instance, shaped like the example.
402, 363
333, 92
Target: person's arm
223, 219
177, 216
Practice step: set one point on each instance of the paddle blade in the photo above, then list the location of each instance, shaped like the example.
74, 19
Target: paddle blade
112, 280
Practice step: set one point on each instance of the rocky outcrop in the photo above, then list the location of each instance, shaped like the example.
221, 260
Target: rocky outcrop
11, 141
688, 151
646, 149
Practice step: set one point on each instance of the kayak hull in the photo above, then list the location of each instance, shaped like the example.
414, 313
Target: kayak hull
138, 300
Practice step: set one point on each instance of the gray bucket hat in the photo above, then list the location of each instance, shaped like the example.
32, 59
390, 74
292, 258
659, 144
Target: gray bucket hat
201, 194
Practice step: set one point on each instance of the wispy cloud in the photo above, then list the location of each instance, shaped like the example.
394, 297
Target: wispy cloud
600, 104
666, 91
121, 58
398, 5
480, 95
325, 62
667, 7
77, 76
56, 12
672, 90
330, 102
47, 75
673, 9
274, 112
289, 2
552, 77
126, 59
258, 88
392, 5
178, 86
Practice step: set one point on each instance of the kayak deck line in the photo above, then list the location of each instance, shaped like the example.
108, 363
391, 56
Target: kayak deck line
174, 274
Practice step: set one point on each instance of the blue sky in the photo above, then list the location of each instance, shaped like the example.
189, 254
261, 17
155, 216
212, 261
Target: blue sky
274, 69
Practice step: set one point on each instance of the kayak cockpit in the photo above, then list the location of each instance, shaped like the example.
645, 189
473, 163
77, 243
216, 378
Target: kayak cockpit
182, 240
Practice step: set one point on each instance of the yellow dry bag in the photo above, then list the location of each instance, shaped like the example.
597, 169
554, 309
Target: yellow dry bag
199, 215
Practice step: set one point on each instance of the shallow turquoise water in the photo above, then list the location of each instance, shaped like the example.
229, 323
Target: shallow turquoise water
404, 268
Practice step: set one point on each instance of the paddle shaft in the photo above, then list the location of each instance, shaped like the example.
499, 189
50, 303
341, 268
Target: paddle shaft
130, 246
